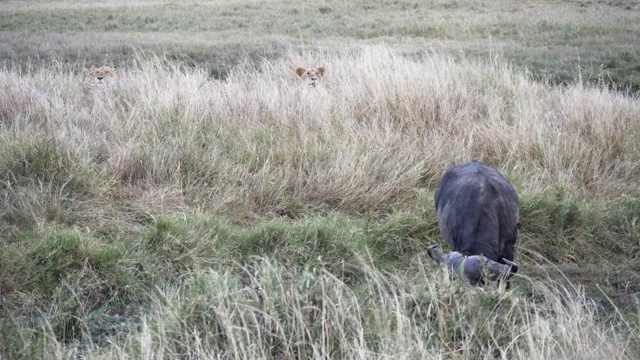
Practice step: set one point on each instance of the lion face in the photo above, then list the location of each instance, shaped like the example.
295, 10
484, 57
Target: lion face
311, 75
102, 72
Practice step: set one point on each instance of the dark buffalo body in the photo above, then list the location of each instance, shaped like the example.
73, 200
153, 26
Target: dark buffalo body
478, 211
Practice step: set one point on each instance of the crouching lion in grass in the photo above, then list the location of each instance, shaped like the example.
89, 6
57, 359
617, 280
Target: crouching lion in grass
312, 76
100, 76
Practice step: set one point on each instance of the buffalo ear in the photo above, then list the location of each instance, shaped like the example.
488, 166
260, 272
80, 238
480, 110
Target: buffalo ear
321, 70
300, 71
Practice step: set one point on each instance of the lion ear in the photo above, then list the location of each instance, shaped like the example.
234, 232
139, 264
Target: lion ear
321, 70
93, 68
300, 71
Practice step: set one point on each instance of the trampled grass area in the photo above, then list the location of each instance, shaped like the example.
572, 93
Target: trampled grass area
207, 204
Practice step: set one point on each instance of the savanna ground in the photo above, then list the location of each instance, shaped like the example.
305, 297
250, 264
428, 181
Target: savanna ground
207, 204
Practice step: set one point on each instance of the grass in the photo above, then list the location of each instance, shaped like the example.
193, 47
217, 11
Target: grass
205, 203
557, 41
172, 214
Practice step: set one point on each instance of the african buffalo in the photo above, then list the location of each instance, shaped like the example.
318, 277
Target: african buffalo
477, 211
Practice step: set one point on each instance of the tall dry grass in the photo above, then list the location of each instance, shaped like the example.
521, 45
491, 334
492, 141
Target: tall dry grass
86, 174
270, 312
380, 126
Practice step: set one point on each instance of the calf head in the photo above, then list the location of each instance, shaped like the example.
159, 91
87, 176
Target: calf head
474, 267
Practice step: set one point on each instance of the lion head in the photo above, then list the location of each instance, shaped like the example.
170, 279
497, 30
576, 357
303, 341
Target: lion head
311, 75
102, 72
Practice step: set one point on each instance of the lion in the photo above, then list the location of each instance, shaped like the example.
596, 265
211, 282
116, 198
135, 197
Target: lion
102, 72
311, 75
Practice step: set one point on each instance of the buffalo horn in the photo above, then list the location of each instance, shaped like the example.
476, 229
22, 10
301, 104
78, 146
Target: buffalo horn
435, 254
